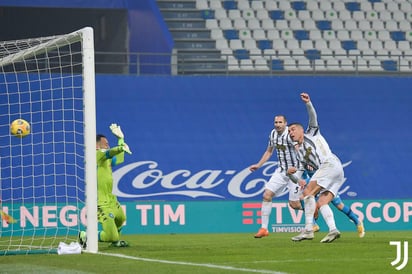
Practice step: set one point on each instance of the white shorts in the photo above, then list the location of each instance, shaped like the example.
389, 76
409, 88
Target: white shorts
330, 175
280, 184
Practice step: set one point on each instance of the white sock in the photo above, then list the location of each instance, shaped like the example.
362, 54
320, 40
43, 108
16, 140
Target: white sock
327, 215
310, 206
266, 210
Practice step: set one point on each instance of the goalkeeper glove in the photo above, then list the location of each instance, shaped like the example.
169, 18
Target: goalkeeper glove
126, 148
117, 131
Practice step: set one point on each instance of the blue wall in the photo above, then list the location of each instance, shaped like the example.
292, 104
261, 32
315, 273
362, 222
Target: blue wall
196, 136
193, 139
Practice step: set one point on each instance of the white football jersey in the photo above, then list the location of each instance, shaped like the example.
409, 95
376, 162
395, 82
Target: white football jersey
314, 150
285, 149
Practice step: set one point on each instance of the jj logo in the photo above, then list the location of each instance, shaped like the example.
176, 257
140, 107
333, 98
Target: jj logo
399, 254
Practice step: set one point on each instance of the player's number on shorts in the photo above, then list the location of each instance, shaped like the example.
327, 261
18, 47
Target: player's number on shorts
296, 189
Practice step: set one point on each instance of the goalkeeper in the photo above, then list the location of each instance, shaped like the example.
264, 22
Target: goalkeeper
109, 212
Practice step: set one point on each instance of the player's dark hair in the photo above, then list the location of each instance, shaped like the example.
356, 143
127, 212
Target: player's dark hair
296, 124
281, 115
99, 137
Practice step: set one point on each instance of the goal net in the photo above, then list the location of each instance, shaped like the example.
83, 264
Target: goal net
49, 82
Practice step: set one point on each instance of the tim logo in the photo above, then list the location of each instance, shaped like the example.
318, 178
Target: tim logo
399, 254
251, 213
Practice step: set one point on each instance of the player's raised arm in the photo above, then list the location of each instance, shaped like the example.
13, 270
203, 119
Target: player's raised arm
313, 119
305, 97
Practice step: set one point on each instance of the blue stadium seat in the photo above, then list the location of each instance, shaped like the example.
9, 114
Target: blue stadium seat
389, 65
349, 44
208, 14
324, 25
352, 6
398, 36
241, 54
298, 5
277, 14
229, 5
265, 44
230, 34
301, 35
375, 1
312, 54
277, 64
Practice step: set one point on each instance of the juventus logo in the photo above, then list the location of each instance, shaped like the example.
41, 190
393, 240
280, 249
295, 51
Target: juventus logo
399, 254
307, 154
281, 147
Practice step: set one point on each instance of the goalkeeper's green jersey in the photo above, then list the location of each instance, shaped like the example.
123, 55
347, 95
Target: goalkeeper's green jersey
106, 159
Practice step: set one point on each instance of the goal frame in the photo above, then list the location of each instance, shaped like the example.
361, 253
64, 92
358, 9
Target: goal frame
89, 91
86, 37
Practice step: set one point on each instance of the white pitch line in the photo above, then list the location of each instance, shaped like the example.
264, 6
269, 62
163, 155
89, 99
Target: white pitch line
312, 260
192, 264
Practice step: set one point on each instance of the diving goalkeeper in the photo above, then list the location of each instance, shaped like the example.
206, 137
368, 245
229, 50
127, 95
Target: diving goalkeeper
109, 212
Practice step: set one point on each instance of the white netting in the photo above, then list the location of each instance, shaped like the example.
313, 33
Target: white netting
42, 175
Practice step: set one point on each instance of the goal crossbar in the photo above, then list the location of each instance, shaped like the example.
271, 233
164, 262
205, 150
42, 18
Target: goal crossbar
54, 42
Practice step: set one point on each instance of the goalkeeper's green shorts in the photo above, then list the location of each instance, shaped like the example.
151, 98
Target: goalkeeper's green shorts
111, 213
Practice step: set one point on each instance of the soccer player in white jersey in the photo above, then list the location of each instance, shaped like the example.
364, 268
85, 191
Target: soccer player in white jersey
338, 203
280, 140
314, 151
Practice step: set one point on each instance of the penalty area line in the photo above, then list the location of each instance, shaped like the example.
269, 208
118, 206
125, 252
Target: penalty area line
191, 264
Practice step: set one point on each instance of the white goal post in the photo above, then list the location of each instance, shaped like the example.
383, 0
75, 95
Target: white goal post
48, 185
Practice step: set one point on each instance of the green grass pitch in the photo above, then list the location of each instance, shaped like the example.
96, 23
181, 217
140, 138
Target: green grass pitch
225, 253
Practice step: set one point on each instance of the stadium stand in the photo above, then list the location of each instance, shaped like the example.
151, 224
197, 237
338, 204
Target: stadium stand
324, 35
202, 33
